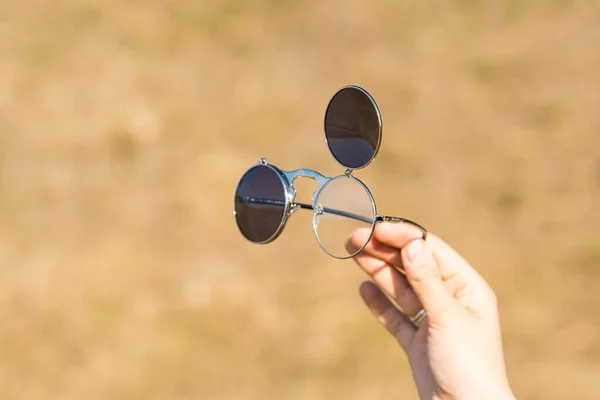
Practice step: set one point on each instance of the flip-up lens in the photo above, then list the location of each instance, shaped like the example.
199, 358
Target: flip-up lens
353, 127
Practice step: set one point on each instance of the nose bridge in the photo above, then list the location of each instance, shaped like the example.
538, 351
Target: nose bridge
307, 173
304, 185
312, 178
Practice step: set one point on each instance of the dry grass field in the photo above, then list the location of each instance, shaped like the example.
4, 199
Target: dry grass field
125, 125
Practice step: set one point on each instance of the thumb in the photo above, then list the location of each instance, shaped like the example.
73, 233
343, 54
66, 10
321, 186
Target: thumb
424, 276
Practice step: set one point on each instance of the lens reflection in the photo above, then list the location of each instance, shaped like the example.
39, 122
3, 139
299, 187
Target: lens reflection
352, 127
342, 206
260, 203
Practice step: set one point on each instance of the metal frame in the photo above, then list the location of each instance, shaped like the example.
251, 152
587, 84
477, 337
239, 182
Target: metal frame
290, 206
287, 180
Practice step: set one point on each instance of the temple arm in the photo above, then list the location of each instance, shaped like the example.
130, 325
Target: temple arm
385, 218
259, 200
378, 218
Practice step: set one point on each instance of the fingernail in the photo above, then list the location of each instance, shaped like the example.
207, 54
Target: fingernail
414, 251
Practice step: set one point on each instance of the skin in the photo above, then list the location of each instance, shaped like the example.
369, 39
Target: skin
456, 351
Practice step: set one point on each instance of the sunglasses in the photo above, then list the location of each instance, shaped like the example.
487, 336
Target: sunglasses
264, 198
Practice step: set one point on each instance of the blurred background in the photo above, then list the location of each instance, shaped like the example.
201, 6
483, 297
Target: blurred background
125, 126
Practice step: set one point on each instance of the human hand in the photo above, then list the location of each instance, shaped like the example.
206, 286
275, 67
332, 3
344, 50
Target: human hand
456, 351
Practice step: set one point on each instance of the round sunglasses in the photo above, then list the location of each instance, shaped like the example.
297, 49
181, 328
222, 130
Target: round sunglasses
264, 198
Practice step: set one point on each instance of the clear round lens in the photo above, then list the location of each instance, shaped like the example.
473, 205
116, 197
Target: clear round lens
342, 206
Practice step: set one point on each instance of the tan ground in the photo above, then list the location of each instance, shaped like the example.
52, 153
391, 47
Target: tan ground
125, 126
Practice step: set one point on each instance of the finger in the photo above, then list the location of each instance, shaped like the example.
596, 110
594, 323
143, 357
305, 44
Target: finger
377, 249
451, 265
455, 284
461, 280
387, 277
454, 264
466, 284
397, 234
424, 276
390, 317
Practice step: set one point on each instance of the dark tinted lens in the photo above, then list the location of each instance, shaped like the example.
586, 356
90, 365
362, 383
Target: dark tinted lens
352, 127
260, 203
